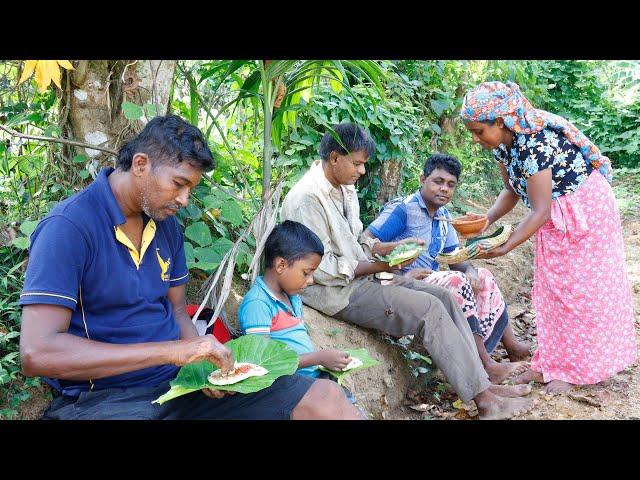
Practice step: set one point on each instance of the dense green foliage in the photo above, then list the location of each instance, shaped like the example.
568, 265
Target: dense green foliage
410, 107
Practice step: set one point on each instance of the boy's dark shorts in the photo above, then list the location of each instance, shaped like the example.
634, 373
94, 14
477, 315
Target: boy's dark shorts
273, 403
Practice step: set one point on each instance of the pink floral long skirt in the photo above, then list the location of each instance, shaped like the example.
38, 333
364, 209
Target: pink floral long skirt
581, 292
483, 309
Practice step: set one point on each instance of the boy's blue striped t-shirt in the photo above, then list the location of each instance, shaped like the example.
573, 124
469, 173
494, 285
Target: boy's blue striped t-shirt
262, 313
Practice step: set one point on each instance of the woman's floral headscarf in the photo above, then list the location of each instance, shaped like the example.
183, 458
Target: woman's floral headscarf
491, 100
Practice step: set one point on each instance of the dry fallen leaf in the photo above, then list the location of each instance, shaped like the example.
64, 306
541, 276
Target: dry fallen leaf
588, 399
463, 414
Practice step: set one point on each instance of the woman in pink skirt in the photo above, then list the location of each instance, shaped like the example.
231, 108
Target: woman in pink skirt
581, 293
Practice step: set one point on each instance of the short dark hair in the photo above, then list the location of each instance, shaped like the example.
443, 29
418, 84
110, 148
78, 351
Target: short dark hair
168, 140
352, 136
291, 241
445, 161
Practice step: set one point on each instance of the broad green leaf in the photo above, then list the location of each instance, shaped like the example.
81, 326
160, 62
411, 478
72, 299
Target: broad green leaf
215, 200
438, 106
192, 212
151, 109
359, 353
189, 252
245, 255
28, 226
80, 159
232, 212
199, 233
207, 267
277, 357
21, 242
174, 392
222, 245
221, 229
207, 254
52, 131
132, 111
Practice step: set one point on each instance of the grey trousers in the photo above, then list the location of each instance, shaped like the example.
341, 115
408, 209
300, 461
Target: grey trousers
411, 307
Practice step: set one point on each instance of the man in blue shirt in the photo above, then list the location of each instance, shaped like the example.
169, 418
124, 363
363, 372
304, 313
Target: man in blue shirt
475, 290
104, 296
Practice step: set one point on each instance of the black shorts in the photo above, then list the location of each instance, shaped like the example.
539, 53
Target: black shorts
273, 403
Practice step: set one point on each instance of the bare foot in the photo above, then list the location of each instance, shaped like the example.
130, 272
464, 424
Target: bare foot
529, 376
500, 408
519, 352
557, 386
510, 390
499, 372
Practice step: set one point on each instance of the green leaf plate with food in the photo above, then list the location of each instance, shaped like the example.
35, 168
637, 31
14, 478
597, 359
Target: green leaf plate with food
476, 246
402, 253
362, 360
259, 362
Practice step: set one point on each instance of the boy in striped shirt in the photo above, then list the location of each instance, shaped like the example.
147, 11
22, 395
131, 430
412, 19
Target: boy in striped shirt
273, 306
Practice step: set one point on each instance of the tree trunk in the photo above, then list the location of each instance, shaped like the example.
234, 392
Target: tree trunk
93, 97
390, 180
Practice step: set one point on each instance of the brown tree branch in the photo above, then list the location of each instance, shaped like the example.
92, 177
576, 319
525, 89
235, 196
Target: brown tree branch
13, 133
113, 152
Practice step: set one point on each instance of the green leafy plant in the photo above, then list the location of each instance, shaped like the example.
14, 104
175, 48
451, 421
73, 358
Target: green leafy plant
133, 111
11, 281
418, 363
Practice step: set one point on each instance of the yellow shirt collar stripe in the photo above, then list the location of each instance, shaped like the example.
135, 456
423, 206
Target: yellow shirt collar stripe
147, 237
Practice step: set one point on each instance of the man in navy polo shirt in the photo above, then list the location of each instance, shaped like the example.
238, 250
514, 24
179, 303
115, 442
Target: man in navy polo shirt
103, 302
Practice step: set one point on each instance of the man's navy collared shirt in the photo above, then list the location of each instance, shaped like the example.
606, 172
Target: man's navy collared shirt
80, 259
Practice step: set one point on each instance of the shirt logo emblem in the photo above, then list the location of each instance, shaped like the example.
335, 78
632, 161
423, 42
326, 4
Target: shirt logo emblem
164, 266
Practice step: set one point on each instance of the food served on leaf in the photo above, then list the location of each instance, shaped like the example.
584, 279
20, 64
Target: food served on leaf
240, 372
360, 359
476, 246
497, 238
354, 363
402, 253
276, 357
